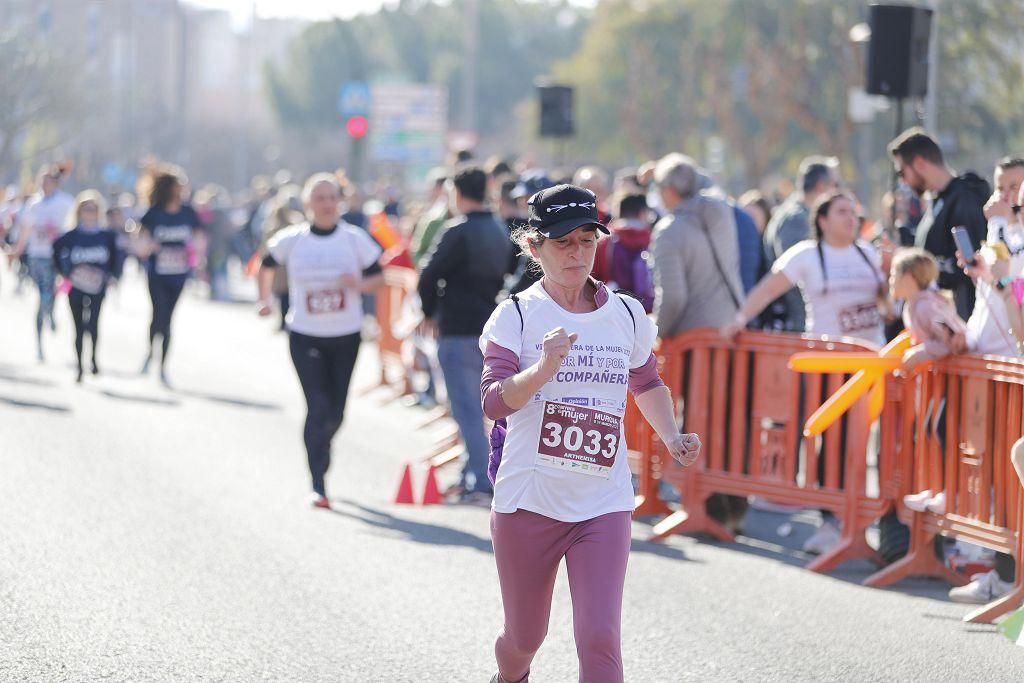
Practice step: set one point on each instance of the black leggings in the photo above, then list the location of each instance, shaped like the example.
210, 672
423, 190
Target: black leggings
324, 366
164, 293
85, 309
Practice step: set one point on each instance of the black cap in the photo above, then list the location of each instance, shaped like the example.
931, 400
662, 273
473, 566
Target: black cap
558, 210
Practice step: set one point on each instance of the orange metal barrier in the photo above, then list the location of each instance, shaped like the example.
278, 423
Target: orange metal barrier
984, 401
398, 284
749, 410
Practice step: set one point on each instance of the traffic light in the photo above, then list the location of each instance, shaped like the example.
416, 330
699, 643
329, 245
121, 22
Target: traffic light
357, 127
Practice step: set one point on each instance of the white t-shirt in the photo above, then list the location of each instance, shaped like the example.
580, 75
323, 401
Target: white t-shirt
46, 219
565, 453
849, 307
320, 306
988, 329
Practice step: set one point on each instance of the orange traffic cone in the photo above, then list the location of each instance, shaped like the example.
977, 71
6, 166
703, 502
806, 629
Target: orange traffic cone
431, 494
404, 495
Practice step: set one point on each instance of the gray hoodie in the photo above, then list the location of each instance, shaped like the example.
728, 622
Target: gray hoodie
692, 289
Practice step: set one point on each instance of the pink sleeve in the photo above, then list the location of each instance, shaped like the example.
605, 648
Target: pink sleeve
924, 316
645, 377
499, 364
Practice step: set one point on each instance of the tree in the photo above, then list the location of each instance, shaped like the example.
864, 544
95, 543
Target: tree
771, 79
423, 42
40, 92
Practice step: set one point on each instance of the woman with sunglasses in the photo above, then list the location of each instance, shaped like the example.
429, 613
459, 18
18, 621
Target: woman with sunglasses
89, 258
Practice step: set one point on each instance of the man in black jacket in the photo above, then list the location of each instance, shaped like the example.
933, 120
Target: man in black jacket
956, 201
458, 287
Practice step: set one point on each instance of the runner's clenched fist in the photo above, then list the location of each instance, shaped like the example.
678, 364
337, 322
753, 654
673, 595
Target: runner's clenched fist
556, 346
685, 448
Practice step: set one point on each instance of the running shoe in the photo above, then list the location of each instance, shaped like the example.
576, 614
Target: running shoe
918, 502
95, 368
319, 501
982, 590
476, 498
937, 503
822, 540
454, 492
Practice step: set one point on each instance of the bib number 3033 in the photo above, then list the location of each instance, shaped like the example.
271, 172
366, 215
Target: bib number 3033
578, 439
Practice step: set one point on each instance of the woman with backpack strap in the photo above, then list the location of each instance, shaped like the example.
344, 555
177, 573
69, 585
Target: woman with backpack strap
844, 293
838, 275
558, 362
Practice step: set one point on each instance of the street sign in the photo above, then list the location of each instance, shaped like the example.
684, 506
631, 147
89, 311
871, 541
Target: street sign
408, 123
353, 99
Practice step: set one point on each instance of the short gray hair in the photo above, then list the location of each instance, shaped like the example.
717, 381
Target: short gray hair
816, 169
678, 172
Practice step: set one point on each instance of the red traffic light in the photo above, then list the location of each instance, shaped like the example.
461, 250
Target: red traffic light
357, 126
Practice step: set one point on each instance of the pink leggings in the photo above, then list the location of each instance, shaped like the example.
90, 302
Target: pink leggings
528, 549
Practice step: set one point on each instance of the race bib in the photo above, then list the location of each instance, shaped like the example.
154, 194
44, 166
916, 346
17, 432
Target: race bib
88, 279
171, 261
859, 317
320, 301
578, 439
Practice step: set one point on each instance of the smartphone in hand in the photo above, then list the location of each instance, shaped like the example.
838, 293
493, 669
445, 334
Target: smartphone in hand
963, 244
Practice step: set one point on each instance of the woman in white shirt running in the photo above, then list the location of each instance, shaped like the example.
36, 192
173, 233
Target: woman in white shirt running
330, 264
558, 361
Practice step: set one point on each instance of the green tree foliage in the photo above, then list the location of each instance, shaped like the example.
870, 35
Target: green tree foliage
771, 80
40, 93
424, 42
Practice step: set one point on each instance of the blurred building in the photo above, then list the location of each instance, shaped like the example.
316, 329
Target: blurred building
165, 79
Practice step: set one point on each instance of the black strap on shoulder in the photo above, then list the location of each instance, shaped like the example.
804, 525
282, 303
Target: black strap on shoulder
515, 300
863, 255
621, 294
718, 264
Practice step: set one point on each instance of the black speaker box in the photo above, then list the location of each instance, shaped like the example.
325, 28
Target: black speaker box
898, 50
556, 116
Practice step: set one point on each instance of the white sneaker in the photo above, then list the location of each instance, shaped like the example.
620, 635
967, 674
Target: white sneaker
983, 590
823, 540
918, 502
937, 504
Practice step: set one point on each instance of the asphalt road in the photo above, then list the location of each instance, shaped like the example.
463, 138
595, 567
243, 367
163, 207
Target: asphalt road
149, 534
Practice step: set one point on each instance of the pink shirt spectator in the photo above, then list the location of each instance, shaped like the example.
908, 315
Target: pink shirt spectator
933, 322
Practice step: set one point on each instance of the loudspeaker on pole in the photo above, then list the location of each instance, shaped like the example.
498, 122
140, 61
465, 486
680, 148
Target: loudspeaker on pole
897, 64
556, 111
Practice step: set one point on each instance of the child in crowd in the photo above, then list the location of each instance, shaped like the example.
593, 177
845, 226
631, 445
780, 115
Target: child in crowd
929, 315
935, 329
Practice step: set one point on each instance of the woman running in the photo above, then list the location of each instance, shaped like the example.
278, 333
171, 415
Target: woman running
165, 235
330, 265
39, 225
558, 361
88, 257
